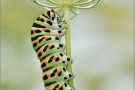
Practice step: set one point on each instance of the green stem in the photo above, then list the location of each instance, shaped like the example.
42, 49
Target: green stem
68, 45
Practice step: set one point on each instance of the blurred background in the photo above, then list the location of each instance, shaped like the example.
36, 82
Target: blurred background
102, 42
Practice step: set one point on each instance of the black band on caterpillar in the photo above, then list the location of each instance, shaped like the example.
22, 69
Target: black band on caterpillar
46, 34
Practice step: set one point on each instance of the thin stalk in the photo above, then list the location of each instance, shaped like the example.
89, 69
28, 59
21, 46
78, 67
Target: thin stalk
68, 43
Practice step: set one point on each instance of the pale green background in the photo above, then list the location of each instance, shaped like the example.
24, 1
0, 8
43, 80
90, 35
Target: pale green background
102, 46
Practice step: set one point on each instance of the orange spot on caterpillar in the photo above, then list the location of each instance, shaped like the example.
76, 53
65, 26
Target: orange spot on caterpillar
44, 29
51, 10
54, 58
37, 42
46, 62
47, 20
48, 75
45, 38
49, 46
52, 15
41, 51
34, 31
57, 72
58, 87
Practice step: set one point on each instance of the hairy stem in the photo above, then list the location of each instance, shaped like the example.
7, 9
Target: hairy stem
68, 45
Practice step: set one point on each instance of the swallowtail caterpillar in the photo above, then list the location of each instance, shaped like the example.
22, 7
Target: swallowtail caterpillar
46, 34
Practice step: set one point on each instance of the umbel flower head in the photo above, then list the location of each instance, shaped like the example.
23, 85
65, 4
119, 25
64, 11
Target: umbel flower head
73, 5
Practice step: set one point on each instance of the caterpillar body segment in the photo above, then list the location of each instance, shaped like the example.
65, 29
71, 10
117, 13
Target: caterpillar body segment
46, 34
58, 73
50, 48
45, 31
62, 85
55, 59
48, 24
44, 40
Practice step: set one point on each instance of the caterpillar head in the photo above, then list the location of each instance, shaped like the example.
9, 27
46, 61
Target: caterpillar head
54, 16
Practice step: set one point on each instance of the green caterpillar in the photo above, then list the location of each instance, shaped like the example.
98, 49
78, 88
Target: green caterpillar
46, 34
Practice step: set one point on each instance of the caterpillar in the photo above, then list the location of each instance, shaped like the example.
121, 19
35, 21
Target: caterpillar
46, 33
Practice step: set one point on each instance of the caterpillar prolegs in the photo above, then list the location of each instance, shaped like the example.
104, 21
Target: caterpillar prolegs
46, 34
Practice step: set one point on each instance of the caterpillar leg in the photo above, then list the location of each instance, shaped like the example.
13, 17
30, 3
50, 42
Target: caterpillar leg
72, 60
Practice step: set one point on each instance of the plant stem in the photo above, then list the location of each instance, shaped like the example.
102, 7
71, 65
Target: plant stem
68, 45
